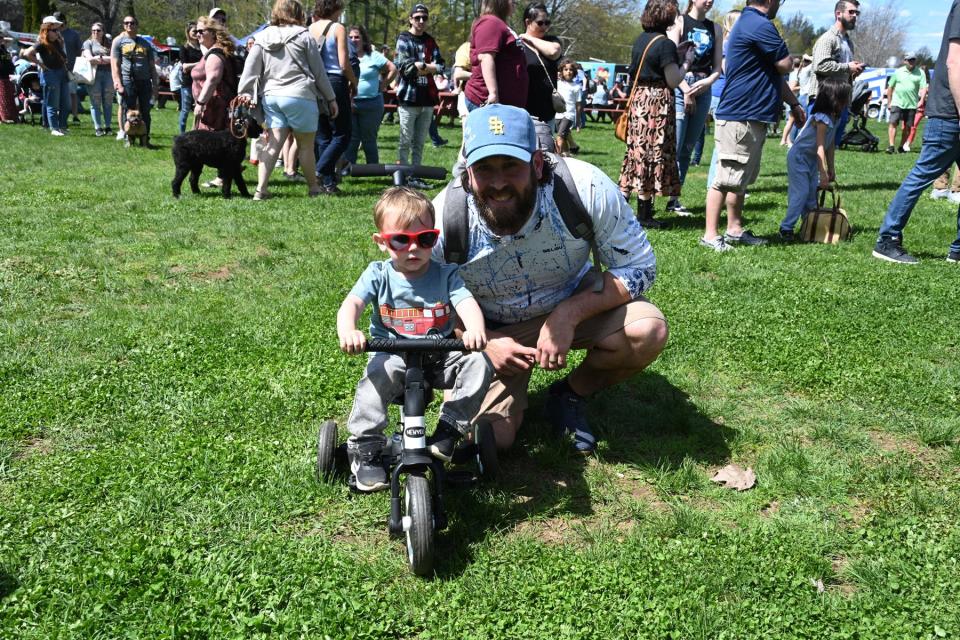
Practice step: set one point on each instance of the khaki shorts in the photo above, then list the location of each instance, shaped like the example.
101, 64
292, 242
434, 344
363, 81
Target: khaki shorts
739, 147
508, 395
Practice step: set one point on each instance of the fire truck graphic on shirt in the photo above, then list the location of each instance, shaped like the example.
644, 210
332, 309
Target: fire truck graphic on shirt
417, 321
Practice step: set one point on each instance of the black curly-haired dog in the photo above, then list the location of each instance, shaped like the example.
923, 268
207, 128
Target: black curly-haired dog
218, 149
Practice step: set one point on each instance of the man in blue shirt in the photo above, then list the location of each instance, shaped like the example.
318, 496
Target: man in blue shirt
756, 61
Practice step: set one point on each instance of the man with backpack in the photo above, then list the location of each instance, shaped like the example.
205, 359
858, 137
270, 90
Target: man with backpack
523, 225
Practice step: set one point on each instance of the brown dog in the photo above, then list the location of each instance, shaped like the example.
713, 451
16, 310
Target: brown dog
135, 128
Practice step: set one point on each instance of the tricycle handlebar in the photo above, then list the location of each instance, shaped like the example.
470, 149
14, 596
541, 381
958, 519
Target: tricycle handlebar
400, 345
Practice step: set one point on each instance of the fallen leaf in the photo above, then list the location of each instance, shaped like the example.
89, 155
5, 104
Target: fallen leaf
733, 477
818, 584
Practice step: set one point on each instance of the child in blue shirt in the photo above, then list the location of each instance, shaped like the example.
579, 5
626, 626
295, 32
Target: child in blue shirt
413, 297
810, 159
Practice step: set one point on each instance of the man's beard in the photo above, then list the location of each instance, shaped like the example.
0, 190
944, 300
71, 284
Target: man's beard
848, 25
510, 218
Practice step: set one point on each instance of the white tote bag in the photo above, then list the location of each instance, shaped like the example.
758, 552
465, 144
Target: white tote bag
83, 71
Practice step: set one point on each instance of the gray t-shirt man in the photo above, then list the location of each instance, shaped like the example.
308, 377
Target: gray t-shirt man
135, 57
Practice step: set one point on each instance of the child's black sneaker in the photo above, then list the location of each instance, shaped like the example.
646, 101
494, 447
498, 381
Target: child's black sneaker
953, 256
367, 466
443, 441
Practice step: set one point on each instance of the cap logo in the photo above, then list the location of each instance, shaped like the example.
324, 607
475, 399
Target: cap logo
496, 125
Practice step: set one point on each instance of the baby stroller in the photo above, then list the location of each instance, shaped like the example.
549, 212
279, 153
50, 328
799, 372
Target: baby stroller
859, 135
29, 104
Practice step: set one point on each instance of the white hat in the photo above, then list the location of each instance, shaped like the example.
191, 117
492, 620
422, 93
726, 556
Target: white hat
51, 20
215, 11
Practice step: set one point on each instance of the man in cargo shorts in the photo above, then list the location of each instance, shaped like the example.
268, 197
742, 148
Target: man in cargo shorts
756, 63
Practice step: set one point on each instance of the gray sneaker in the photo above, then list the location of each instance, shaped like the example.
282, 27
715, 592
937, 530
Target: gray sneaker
718, 244
746, 238
366, 466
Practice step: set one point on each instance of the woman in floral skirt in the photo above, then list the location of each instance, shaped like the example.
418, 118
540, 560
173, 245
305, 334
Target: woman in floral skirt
650, 163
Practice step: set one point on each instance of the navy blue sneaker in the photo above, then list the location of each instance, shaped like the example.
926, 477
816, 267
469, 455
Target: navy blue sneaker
444, 441
567, 411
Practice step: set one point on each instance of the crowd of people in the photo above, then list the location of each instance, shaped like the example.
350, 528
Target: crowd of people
319, 90
321, 87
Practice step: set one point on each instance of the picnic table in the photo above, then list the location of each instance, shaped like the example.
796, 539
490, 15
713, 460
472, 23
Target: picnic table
446, 107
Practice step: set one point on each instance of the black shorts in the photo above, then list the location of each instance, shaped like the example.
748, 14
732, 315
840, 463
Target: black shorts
906, 116
563, 128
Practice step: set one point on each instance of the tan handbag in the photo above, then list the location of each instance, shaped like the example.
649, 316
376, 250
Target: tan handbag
827, 226
621, 129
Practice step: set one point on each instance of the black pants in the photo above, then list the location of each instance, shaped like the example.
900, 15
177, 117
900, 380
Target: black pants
137, 95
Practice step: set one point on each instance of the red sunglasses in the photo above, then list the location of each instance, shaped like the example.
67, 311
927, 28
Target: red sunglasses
402, 241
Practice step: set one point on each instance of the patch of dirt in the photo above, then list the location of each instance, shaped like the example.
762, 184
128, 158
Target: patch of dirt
839, 564
549, 531
35, 447
217, 275
770, 509
177, 269
262, 251
930, 458
640, 491
892, 443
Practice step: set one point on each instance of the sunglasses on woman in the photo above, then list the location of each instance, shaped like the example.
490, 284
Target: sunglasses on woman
542, 23
200, 32
402, 241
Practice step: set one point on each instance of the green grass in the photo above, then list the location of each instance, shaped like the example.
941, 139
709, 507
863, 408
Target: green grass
165, 364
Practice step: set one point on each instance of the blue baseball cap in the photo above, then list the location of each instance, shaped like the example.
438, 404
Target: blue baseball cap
499, 130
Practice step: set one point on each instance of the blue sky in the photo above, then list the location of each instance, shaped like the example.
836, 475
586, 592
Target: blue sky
924, 18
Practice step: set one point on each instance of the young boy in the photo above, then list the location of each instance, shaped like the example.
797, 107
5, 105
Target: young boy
412, 297
571, 92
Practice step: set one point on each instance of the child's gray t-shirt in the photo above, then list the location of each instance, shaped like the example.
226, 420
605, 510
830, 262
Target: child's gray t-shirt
415, 308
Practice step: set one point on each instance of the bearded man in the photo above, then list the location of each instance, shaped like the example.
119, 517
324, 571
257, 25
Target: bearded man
833, 57
533, 280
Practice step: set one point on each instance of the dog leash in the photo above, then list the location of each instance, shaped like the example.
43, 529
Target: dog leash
238, 118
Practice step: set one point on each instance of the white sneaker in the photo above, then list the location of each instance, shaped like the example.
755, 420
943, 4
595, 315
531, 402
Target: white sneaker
940, 194
954, 197
57, 132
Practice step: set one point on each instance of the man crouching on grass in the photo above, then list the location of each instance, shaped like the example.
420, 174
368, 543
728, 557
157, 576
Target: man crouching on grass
532, 277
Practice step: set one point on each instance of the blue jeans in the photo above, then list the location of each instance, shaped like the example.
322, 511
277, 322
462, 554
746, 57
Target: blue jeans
435, 134
186, 106
101, 99
689, 127
803, 178
333, 135
367, 114
137, 95
56, 98
940, 150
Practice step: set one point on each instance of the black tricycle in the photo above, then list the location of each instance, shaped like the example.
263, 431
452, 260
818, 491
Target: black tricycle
407, 460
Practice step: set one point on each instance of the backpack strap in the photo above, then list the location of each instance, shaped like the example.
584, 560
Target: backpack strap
574, 214
455, 224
